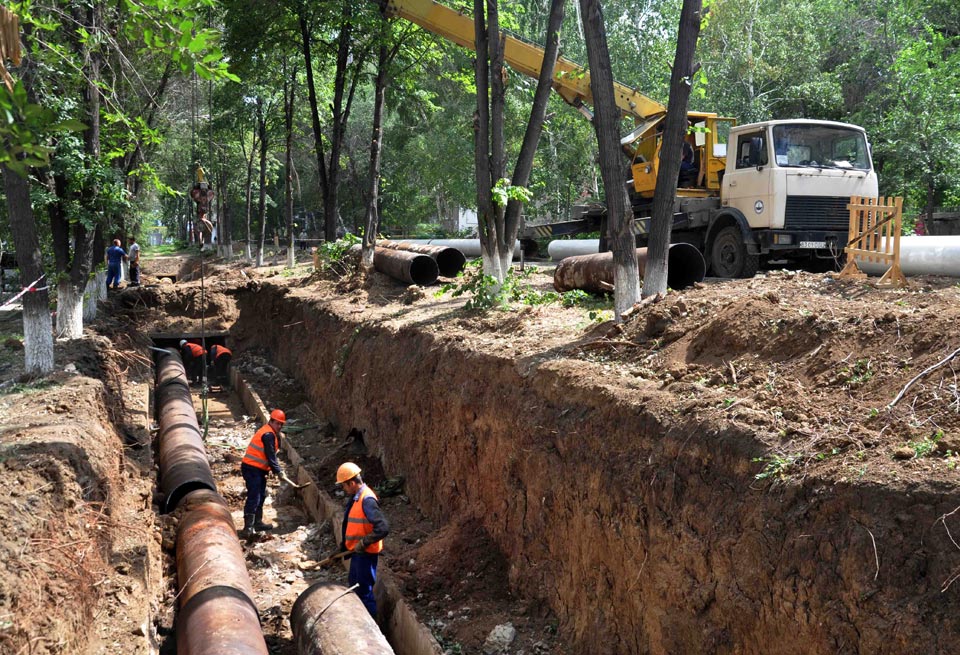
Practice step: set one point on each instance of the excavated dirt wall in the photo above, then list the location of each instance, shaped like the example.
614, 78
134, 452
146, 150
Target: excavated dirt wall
645, 530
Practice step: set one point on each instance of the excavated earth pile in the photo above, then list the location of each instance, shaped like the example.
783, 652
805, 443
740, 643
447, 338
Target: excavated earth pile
720, 475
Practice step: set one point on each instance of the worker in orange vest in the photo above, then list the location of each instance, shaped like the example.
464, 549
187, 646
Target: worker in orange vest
363, 530
192, 354
220, 357
259, 460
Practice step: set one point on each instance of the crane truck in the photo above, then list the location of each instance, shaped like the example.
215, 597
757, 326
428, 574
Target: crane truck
770, 190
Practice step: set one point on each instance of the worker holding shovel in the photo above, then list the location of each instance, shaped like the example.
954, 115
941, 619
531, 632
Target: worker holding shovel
258, 461
364, 528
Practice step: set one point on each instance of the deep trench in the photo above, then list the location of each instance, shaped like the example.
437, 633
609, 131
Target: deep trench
631, 522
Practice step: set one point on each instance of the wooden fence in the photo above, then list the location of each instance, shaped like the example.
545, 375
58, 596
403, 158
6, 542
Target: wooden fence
874, 236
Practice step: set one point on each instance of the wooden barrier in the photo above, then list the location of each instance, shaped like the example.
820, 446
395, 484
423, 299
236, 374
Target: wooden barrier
874, 236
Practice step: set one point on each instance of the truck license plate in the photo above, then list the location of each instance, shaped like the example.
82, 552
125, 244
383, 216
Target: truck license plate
813, 244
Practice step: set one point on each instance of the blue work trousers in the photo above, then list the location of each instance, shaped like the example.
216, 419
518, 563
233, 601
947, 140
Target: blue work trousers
256, 480
113, 275
363, 573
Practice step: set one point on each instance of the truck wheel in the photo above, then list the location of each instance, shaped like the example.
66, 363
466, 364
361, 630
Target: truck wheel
729, 257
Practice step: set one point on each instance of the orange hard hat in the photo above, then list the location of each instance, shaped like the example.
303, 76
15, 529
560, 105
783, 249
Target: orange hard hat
347, 471
278, 415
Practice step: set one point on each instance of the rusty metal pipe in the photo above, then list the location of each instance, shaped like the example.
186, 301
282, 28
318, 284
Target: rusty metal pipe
450, 261
327, 619
685, 266
409, 267
183, 460
217, 611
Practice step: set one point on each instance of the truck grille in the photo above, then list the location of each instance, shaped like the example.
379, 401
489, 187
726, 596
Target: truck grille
817, 213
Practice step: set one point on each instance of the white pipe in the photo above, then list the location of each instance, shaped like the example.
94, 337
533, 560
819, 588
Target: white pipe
923, 255
469, 247
563, 248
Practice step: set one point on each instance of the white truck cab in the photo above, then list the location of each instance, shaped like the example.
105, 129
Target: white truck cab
786, 187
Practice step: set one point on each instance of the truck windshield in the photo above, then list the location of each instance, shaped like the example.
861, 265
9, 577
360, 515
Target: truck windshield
820, 146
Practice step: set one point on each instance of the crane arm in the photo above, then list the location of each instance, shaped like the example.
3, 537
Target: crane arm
571, 81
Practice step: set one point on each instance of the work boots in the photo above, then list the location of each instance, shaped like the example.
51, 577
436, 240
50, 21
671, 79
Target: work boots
259, 525
249, 531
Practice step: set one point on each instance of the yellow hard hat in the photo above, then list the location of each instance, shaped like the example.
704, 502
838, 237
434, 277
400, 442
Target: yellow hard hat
347, 471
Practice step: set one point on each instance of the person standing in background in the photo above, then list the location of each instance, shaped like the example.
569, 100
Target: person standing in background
133, 255
115, 255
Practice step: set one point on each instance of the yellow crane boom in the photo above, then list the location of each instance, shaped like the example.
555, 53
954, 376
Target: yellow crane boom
570, 80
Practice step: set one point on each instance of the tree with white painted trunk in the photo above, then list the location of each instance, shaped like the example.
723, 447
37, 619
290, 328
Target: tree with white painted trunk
606, 122
500, 200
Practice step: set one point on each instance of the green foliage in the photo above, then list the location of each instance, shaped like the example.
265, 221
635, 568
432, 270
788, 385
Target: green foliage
503, 192
485, 293
25, 130
927, 445
776, 467
333, 252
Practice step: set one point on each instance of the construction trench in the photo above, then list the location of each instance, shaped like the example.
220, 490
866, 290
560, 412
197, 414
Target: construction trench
594, 518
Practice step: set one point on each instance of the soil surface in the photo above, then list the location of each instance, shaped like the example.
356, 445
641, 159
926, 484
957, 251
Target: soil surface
805, 425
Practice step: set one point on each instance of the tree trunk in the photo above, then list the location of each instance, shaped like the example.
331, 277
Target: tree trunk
249, 192
372, 224
314, 109
69, 310
289, 88
262, 200
37, 326
531, 138
486, 216
674, 131
606, 121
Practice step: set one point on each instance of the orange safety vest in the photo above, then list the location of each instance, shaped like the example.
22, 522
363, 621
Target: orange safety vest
358, 526
218, 350
255, 456
195, 349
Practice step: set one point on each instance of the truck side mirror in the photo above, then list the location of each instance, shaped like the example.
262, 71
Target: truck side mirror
757, 151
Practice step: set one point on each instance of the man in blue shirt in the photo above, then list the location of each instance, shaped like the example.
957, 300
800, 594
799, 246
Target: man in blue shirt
115, 255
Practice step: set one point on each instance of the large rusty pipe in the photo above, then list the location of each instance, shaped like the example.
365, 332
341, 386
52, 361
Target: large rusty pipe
217, 612
450, 261
685, 266
183, 461
409, 267
329, 620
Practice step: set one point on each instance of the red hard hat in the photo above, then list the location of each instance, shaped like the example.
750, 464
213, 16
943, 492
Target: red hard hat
278, 415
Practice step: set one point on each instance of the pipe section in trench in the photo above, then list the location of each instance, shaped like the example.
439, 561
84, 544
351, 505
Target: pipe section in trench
217, 612
183, 461
450, 261
685, 266
329, 619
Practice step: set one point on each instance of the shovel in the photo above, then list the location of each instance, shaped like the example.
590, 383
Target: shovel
324, 563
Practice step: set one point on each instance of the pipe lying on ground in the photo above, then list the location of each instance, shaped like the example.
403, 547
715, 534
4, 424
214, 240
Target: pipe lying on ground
560, 249
594, 273
217, 611
922, 255
471, 247
409, 267
183, 461
450, 261
328, 619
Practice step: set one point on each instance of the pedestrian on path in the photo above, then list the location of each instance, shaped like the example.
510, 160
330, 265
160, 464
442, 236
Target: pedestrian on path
133, 255
115, 255
364, 527
259, 460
